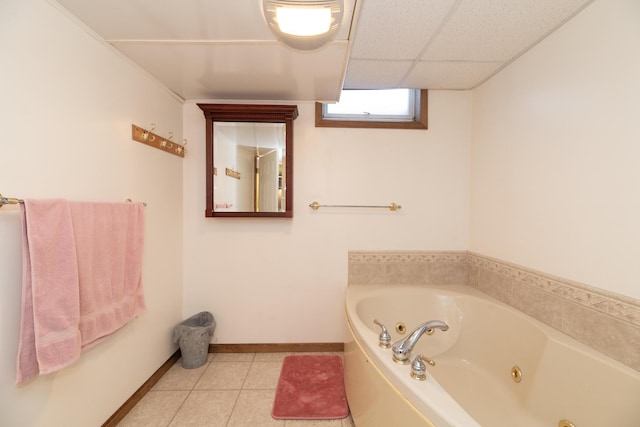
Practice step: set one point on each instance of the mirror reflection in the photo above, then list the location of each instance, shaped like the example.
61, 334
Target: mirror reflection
249, 160
249, 167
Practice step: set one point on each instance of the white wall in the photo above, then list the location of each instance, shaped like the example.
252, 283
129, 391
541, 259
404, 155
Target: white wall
556, 153
283, 280
67, 106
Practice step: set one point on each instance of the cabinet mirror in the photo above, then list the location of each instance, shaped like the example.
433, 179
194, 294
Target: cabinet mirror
249, 160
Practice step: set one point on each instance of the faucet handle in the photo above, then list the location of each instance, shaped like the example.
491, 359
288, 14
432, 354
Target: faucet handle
419, 367
384, 337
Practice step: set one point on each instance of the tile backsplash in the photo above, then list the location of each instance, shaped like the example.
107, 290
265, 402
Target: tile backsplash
607, 322
409, 268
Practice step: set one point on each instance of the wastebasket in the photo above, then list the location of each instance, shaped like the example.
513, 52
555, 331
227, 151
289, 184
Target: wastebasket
194, 335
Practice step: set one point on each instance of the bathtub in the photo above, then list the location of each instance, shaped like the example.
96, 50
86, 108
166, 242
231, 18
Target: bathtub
562, 382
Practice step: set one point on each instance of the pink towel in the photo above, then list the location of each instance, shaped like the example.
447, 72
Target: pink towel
49, 335
81, 279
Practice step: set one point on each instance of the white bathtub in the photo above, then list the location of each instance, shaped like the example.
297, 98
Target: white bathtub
471, 383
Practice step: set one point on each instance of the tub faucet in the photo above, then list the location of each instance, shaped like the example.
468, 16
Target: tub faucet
402, 349
384, 339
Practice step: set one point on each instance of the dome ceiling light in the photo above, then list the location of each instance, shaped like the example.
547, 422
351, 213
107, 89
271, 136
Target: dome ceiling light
303, 24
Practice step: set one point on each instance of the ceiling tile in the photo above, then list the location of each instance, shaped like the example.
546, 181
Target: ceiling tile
450, 75
213, 49
498, 30
366, 74
396, 29
244, 71
168, 20
180, 20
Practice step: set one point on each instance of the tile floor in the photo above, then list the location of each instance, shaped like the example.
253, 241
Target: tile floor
230, 390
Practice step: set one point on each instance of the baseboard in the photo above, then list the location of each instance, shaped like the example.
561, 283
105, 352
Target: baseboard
139, 394
217, 348
276, 348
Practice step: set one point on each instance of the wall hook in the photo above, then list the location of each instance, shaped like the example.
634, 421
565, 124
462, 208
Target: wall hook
147, 137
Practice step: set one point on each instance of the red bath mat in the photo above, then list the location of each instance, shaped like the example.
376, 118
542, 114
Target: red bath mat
310, 388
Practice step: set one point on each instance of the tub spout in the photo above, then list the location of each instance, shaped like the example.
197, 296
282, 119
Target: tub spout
402, 349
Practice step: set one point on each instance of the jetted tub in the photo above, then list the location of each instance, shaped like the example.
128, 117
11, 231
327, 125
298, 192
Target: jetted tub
562, 382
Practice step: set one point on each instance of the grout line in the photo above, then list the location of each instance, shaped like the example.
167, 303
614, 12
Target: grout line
180, 407
235, 404
247, 374
233, 408
208, 363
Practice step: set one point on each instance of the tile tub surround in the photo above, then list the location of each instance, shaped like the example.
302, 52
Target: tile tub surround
607, 322
408, 268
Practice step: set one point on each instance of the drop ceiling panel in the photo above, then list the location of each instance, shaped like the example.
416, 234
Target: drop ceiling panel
450, 75
397, 29
165, 20
498, 30
224, 50
245, 71
368, 74
179, 20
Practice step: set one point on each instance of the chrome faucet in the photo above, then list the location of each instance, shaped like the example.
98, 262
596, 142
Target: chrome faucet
419, 367
402, 349
384, 339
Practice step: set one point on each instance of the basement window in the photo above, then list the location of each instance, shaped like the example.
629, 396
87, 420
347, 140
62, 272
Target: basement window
385, 109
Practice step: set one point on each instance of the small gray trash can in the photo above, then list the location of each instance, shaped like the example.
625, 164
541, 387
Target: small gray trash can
194, 335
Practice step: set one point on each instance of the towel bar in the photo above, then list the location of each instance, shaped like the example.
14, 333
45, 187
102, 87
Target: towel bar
392, 206
9, 201
14, 201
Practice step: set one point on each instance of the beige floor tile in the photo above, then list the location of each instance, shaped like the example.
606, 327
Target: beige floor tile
271, 357
156, 408
233, 357
254, 409
313, 423
327, 353
263, 376
178, 378
223, 376
231, 390
206, 408
348, 421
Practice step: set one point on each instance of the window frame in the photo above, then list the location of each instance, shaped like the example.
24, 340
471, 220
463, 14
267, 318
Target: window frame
419, 121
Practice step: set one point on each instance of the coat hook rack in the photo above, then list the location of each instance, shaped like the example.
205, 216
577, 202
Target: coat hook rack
182, 149
153, 140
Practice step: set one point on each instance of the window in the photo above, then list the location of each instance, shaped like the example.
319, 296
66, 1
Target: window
390, 108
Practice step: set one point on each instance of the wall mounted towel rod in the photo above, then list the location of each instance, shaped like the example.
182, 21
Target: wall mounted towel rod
131, 201
9, 201
392, 206
14, 201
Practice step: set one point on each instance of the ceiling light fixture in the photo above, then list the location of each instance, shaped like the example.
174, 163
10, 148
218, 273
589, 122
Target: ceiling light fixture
303, 24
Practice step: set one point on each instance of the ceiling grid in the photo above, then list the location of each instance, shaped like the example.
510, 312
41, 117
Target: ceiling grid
224, 50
